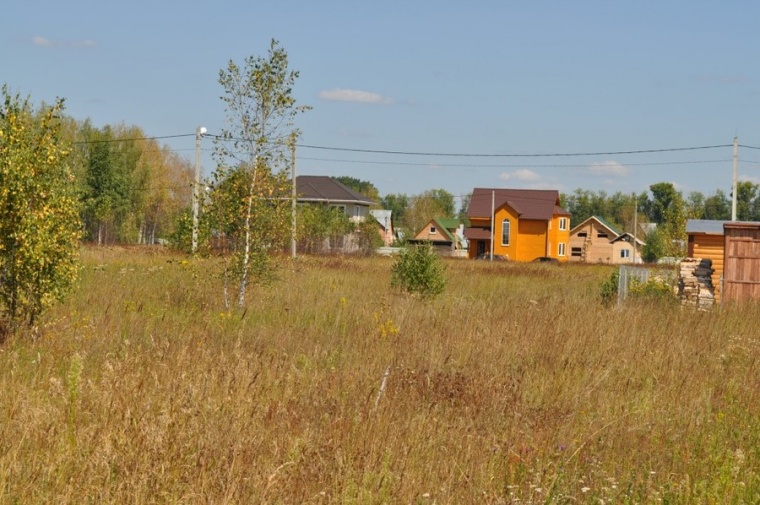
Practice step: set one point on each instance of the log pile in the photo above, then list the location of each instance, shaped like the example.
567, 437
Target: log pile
695, 288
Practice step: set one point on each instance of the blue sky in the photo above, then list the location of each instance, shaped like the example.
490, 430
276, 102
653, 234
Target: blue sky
485, 78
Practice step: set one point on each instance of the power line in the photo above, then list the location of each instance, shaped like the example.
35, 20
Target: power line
515, 155
106, 141
521, 165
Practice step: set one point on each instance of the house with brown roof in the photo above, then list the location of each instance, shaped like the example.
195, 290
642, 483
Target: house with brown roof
520, 224
598, 241
324, 190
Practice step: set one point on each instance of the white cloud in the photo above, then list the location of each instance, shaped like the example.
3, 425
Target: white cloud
354, 95
523, 175
608, 168
38, 40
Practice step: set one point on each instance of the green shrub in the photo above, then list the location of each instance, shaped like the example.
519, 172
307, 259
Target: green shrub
655, 289
419, 270
609, 288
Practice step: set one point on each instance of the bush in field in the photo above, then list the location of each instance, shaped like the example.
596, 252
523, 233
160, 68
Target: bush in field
418, 269
609, 288
656, 289
367, 236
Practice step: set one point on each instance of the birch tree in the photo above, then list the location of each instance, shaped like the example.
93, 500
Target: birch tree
39, 212
252, 155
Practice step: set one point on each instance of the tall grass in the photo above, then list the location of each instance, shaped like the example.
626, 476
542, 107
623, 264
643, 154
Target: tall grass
515, 385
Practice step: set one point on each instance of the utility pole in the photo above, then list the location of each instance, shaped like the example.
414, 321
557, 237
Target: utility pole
735, 180
635, 224
493, 221
197, 187
293, 209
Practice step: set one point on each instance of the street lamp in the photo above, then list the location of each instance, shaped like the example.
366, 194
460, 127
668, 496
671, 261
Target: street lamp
197, 187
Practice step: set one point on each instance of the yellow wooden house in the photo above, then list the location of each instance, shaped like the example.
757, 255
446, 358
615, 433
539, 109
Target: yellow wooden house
518, 224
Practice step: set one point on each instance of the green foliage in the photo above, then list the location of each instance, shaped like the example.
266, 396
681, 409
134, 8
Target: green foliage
419, 270
39, 211
250, 203
426, 206
654, 248
318, 224
609, 288
368, 237
656, 289
365, 188
132, 189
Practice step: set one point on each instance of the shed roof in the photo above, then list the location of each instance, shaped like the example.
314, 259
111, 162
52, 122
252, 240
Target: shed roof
706, 226
321, 188
539, 204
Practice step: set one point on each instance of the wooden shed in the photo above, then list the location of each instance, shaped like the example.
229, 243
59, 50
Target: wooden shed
706, 241
741, 261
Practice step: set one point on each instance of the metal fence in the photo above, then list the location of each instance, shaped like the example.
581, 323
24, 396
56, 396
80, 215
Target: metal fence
627, 274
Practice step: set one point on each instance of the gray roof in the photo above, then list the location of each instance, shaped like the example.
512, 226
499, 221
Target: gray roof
707, 226
382, 216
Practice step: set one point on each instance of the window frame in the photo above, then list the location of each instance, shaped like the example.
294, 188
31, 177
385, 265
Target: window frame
561, 249
506, 226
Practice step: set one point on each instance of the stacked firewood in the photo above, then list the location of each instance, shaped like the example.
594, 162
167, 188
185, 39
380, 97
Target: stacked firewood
695, 287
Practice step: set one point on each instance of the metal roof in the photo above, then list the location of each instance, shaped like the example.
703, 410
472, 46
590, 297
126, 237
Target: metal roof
706, 226
539, 204
321, 188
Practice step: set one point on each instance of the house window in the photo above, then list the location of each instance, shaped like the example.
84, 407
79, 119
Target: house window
601, 234
561, 249
582, 234
625, 253
505, 232
563, 223
433, 230
576, 252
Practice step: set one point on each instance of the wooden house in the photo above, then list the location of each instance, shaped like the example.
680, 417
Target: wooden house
597, 241
443, 234
520, 224
706, 240
741, 261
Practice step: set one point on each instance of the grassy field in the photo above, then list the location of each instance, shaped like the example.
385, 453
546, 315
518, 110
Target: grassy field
514, 386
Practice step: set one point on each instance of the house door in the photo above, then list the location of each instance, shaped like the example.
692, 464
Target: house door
481, 247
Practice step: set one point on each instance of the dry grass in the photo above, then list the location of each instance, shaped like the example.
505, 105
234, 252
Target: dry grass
516, 385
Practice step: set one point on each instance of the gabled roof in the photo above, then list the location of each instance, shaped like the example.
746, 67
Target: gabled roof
444, 225
539, 204
613, 231
321, 188
629, 237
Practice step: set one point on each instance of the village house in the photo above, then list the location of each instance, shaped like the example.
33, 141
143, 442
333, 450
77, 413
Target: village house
321, 189
519, 224
446, 235
597, 241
